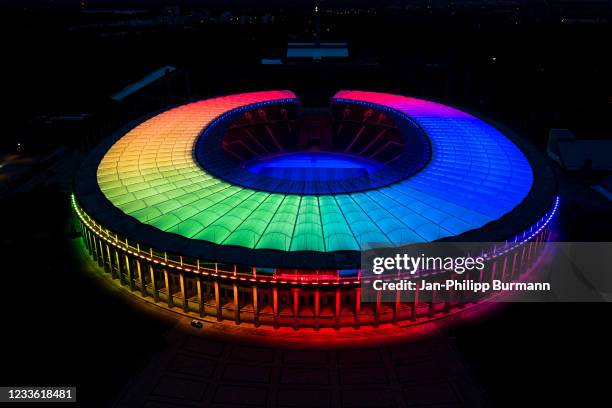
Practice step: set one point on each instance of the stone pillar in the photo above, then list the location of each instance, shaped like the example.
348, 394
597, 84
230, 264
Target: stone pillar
523, 258
130, 273
236, 304
513, 271
530, 253
296, 308
317, 307
154, 283
357, 306
275, 305
377, 310
109, 268
168, 280
396, 307
118, 264
415, 304
432, 303
185, 301
201, 300
101, 254
462, 293
449, 299
94, 245
218, 302
87, 234
255, 307
86, 239
337, 309
141, 277
481, 274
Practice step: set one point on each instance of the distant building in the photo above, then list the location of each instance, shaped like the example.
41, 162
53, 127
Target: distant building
574, 154
226, 17
147, 80
317, 51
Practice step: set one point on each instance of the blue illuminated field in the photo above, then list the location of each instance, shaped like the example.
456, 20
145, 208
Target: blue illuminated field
310, 166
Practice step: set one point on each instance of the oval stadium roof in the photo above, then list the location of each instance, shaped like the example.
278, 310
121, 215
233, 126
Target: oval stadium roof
476, 175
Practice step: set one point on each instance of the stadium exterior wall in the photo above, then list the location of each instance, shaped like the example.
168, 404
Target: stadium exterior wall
222, 293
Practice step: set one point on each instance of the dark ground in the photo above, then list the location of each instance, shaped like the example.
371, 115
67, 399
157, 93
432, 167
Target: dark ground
60, 325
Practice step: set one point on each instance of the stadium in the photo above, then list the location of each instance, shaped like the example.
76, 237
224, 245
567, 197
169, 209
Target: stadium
252, 208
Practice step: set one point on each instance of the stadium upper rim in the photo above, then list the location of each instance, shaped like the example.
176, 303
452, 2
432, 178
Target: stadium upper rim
535, 197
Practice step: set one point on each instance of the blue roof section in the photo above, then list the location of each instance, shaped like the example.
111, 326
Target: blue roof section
475, 176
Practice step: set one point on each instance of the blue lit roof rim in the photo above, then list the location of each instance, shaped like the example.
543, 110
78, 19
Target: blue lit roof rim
197, 151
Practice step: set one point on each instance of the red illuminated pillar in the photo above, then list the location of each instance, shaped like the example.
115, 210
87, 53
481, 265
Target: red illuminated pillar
275, 306
513, 271
529, 254
415, 304
357, 306
504, 268
539, 245
523, 263
448, 301
317, 307
493, 272
338, 310
377, 310
296, 307
432, 303
461, 295
396, 307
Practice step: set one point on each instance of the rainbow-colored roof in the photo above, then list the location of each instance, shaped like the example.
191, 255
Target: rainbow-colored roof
476, 175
